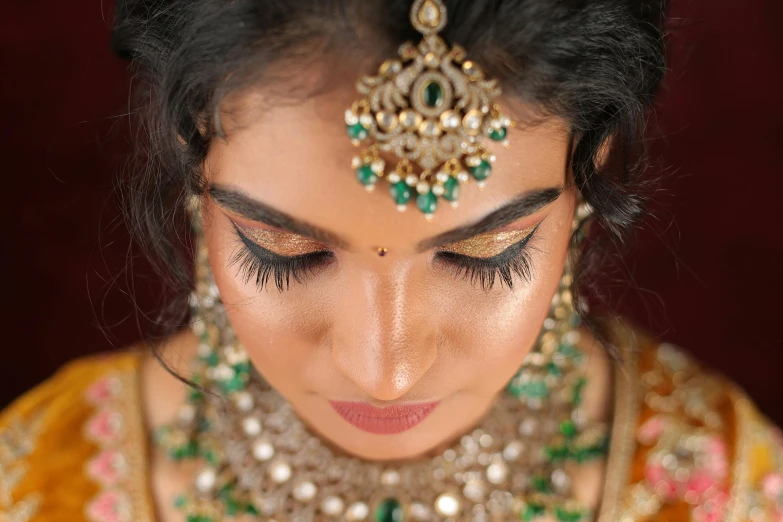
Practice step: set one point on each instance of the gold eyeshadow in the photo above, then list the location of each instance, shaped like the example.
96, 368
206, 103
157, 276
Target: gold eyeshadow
281, 243
489, 244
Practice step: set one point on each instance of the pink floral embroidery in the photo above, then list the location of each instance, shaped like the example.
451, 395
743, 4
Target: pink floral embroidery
110, 506
105, 427
686, 466
652, 430
103, 390
772, 485
107, 467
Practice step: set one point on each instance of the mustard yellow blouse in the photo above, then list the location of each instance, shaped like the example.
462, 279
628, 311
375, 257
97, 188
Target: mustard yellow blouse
687, 445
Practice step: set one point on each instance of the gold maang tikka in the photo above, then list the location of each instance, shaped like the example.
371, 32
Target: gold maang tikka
433, 109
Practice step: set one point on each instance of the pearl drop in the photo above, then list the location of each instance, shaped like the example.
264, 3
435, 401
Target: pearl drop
187, 413
561, 480
497, 473
423, 187
438, 190
332, 506
473, 161
205, 480
378, 166
263, 450
448, 505
412, 180
463, 176
223, 372
244, 401
351, 118
442, 176
393, 178
251, 426
513, 450
390, 478
419, 511
304, 491
280, 472
402, 208
356, 162
528, 426
473, 491
357, 511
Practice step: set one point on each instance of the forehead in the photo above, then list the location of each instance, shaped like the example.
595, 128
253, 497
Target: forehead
296, 157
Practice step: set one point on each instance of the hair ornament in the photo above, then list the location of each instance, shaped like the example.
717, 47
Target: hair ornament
433, 109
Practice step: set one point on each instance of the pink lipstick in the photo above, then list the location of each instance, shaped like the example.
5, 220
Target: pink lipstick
383, 421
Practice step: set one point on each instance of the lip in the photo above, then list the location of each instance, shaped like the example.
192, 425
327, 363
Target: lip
383, 421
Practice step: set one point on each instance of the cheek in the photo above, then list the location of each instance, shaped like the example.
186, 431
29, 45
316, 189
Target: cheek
278, 329
492, 332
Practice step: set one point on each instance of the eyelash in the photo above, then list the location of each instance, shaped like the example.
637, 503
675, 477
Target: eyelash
516, 259
260, 265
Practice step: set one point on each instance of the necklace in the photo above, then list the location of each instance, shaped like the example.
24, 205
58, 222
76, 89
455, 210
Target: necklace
260, 459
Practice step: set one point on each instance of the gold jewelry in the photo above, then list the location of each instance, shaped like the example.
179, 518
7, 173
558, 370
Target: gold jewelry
382, 251
432, 108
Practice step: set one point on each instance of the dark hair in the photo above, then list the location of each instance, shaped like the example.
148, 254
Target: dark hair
596, 63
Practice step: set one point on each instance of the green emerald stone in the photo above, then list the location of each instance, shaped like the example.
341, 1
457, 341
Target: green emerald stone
481, 171
553, 369
388, 510
187, 450
498, 134
532, 512
451, 189
235, 383
556, 451
356, 131
427, 203
568, 428
540, 484
199, 518
433, 94
211, 359
576, 393
536, 389
514, 388
365, 175
565, 515
401, 193
243, 367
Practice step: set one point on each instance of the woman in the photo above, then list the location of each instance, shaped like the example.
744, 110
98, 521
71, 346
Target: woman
358, 349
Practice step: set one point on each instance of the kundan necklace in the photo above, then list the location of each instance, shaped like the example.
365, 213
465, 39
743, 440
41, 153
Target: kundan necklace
259, 459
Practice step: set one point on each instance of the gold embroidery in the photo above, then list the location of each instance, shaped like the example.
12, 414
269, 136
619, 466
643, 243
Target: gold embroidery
119, 466
17, 441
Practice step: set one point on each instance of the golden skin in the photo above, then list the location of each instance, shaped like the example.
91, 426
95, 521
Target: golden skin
386, 330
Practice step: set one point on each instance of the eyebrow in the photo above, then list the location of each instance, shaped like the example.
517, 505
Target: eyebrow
523, 205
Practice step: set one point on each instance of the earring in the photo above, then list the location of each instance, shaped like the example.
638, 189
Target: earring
555, 354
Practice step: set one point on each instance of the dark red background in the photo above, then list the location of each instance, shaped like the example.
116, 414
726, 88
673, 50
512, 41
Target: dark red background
706, 273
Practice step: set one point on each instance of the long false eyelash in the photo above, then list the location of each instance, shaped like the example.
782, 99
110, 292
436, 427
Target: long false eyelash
515, 260
258, 264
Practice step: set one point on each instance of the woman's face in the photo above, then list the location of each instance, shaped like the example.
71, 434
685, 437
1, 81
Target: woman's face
386, 357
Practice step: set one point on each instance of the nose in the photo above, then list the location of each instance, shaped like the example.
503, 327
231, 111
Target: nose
384, 338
